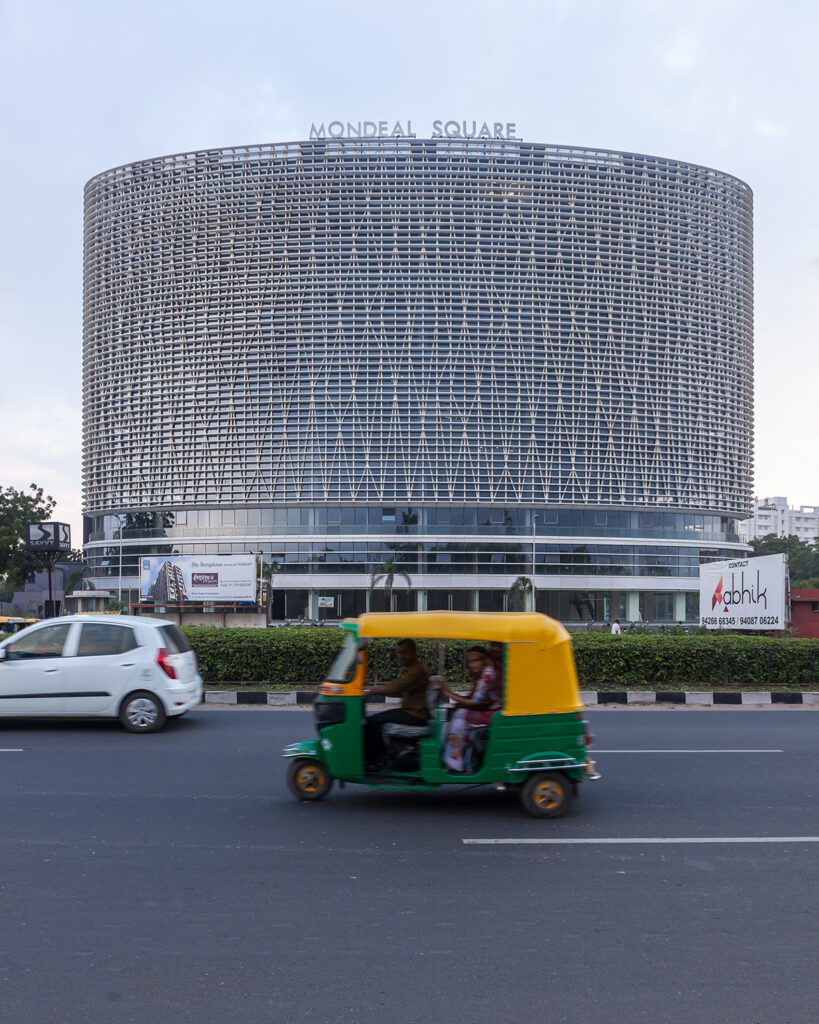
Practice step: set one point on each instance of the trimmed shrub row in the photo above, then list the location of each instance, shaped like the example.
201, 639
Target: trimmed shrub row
298, 654
723, 662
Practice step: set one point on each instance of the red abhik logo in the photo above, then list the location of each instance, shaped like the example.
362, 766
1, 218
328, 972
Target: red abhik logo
717, 598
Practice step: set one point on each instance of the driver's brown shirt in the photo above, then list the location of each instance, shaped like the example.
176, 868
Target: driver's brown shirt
412, 687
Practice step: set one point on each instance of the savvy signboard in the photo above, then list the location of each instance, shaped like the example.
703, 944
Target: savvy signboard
183, 578
745, 593
48, 536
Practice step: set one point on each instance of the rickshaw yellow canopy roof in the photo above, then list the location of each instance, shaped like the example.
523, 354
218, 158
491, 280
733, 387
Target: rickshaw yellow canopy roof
503, 627
540, 672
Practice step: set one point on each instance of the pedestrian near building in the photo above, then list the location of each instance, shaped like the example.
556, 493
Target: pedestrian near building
615, 628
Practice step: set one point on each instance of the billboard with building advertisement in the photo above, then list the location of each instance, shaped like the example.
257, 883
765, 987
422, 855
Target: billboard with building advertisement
745, 593
180, 578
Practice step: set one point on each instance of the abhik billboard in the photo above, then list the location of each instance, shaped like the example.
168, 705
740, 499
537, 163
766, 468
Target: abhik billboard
747, 593
197, 578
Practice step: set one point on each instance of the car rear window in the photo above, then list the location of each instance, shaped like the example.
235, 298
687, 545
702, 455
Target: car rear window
100, 638
174, 639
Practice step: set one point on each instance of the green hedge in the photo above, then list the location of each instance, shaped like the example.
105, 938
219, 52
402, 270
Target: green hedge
299, 654
710, 661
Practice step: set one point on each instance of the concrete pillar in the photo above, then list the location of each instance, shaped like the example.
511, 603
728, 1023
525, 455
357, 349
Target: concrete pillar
679, 607
421, 601
632, 606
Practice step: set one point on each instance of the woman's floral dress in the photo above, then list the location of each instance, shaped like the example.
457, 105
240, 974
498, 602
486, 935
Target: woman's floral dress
460, 737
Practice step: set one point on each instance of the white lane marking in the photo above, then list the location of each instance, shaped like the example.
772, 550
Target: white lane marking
11, 750
619, 841
708, 750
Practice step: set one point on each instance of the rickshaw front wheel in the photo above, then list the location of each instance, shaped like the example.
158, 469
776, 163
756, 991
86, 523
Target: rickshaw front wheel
308, 780
546, 794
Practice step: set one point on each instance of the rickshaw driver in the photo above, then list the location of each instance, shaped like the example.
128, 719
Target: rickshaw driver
411, 686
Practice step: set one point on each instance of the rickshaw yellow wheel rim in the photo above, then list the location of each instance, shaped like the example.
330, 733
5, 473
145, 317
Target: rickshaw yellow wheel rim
547, 794
310, 778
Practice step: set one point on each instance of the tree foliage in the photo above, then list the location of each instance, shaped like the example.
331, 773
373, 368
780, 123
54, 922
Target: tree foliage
17, 565
74, 580
803, 557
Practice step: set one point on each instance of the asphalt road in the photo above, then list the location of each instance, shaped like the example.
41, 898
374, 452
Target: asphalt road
172, 878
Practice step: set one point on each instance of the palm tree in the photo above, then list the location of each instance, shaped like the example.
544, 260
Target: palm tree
75, 577
269, 570
522, 592
385, 575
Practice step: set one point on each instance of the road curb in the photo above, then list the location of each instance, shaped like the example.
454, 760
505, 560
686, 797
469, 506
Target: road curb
291, 698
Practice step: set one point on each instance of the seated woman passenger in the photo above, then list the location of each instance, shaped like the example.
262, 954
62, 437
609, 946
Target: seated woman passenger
474, 710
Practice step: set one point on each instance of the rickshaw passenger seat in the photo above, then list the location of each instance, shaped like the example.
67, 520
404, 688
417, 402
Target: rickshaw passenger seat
416, 732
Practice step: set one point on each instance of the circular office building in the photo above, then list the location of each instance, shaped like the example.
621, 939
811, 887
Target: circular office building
478, 358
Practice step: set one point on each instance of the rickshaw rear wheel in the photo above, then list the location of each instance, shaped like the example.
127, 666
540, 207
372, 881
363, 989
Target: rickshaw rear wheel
308, 779
546, 794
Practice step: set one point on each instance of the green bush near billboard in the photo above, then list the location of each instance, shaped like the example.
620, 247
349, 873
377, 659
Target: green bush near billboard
299, 654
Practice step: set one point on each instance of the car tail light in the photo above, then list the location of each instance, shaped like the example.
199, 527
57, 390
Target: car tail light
588, 739
164, 662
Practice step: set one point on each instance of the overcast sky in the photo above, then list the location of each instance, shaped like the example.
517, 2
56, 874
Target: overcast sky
89, 85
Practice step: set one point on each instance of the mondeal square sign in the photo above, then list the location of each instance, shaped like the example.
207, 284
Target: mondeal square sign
744, 593
441, 129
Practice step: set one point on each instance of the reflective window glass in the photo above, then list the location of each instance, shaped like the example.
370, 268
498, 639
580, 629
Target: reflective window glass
47, 642
101, 638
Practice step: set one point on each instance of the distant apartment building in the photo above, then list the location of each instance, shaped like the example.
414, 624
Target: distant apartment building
169, 586
775, 515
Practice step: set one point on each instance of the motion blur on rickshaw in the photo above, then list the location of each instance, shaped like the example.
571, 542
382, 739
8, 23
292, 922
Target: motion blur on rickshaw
14, 623
518, 726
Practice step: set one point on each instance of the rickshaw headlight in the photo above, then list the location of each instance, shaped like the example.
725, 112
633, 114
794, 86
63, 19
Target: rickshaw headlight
331, 689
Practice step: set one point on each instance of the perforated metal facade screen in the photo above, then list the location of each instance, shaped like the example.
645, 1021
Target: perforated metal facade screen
417, 321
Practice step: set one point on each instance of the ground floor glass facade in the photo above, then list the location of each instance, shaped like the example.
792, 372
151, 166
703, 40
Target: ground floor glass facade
589, 565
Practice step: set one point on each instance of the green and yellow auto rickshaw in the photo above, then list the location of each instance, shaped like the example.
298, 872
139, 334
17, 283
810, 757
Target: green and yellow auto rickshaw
535, 744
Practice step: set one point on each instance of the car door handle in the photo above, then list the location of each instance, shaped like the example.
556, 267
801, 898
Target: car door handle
49, 670
127, 664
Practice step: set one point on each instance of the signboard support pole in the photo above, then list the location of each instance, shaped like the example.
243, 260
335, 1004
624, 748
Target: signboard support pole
47, 560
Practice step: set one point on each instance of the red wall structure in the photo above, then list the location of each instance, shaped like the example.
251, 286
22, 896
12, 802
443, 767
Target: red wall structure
805, 613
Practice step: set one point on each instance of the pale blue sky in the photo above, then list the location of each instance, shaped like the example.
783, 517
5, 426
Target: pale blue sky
88, 85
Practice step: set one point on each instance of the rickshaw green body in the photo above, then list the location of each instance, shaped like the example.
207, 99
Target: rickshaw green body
516, 746
540, 727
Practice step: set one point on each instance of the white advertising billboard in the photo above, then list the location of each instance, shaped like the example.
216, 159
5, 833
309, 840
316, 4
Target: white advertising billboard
179, 578
744, 593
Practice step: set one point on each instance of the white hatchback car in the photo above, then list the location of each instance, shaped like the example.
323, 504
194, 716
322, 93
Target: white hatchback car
137, 669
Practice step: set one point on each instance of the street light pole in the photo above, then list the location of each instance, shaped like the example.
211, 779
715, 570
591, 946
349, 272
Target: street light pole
119, 587
534, 541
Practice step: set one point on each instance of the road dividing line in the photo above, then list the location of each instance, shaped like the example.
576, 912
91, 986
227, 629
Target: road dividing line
688, 751
618, 841
11, 750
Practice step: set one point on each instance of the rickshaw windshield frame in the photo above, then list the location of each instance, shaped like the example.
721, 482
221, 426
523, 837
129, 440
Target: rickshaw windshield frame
343, 668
